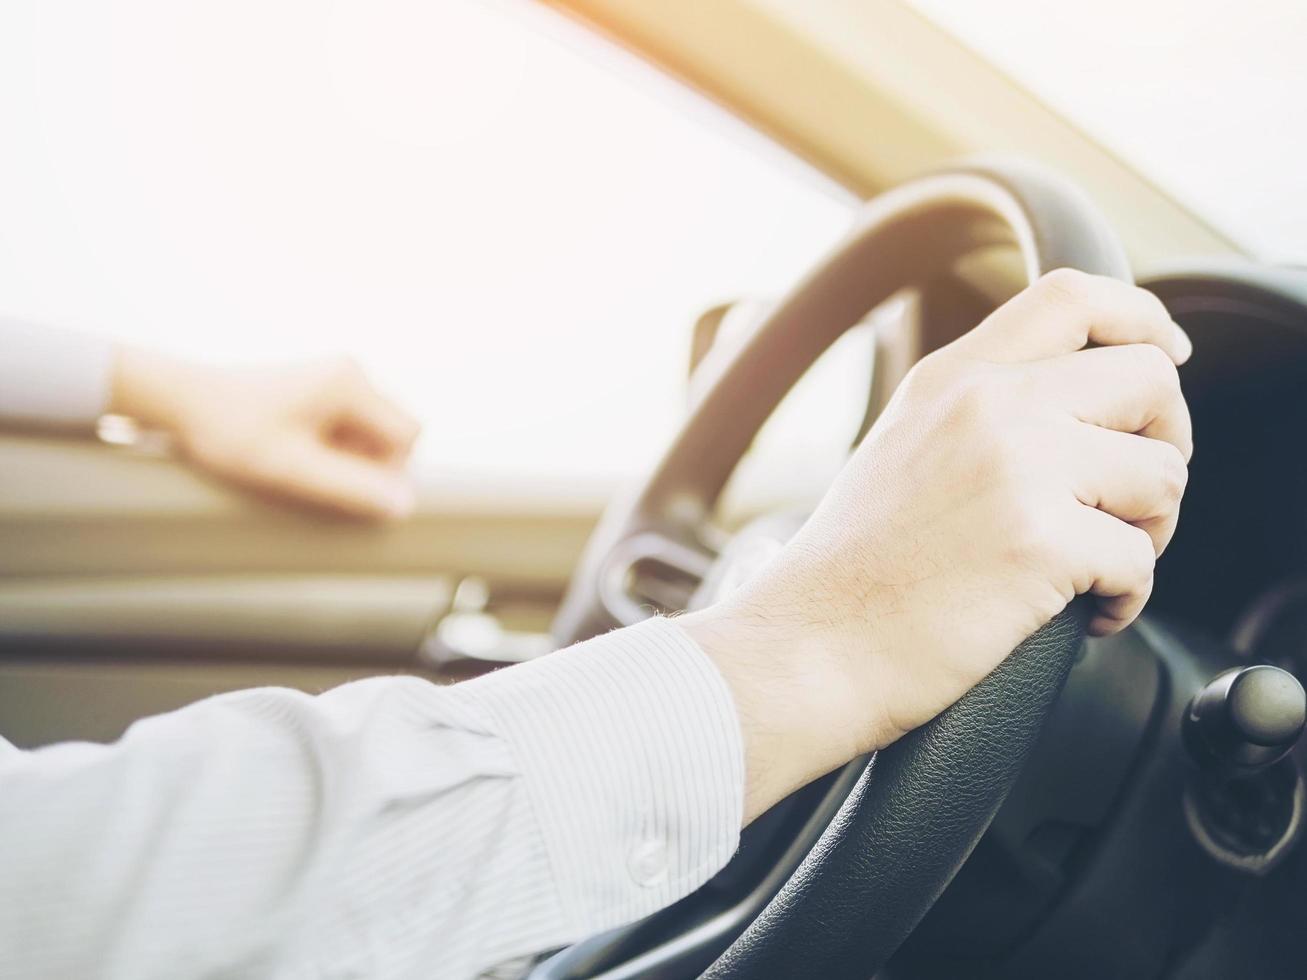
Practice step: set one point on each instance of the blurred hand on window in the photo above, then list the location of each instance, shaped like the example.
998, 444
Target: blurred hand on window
315, 432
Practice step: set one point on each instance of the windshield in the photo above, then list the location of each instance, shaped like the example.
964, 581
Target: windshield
1204, 97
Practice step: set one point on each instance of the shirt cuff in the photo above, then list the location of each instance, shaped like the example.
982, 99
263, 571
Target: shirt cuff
53, 378
631, 749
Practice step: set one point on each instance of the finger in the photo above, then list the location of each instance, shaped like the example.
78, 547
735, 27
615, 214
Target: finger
1134, 388
1065, 310
318, 474
1118, 561
1135, 479
367, 418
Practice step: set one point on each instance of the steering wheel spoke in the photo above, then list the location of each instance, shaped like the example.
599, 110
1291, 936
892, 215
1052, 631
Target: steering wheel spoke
649, 573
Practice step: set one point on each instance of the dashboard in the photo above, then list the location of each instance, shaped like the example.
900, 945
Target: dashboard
1239, 557
1238, 564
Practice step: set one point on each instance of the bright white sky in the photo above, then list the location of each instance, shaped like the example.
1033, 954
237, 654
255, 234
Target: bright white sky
511, 223
1206, 97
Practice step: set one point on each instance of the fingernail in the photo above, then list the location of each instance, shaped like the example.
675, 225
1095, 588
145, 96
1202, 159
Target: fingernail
1184, 347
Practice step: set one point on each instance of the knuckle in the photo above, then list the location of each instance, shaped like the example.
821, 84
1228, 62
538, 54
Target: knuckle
1065, 285
1146, 591
977, 403
1153, 304
929, 375
1034, 535
1009, 462
1140, 595
1142, 557
980, 415
1001, 468
1174, 473
1156, 368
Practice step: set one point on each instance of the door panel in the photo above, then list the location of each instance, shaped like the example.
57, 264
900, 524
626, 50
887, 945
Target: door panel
75, 506
322, 618
44, 700
131, 585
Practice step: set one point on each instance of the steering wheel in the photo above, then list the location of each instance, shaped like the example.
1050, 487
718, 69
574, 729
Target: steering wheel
917, 808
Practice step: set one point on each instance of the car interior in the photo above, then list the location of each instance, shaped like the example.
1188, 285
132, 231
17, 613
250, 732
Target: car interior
1129, 807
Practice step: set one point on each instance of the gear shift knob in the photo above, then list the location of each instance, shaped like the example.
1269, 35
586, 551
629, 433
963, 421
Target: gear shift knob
1245, 719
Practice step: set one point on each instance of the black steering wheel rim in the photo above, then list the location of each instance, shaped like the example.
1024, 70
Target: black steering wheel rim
917, 808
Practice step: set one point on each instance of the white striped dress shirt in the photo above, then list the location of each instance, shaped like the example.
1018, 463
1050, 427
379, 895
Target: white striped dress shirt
388, 828
52, 378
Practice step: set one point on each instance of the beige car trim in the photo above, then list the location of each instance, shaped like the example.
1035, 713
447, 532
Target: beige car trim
43, 701
871, 93
77, 507
373, 618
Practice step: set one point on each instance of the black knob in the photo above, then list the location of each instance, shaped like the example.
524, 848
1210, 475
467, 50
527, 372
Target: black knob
1245, 720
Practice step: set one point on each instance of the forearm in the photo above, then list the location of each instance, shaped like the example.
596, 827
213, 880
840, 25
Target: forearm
387, 825
149, 387
801, 714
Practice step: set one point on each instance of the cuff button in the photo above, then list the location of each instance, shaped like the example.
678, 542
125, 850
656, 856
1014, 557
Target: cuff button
648, 863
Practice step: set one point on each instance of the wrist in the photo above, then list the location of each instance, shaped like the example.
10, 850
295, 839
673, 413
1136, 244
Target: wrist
149, 388
801, 711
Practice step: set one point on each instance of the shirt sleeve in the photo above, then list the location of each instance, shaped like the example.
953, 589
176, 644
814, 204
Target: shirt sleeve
52, 378
388, 828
